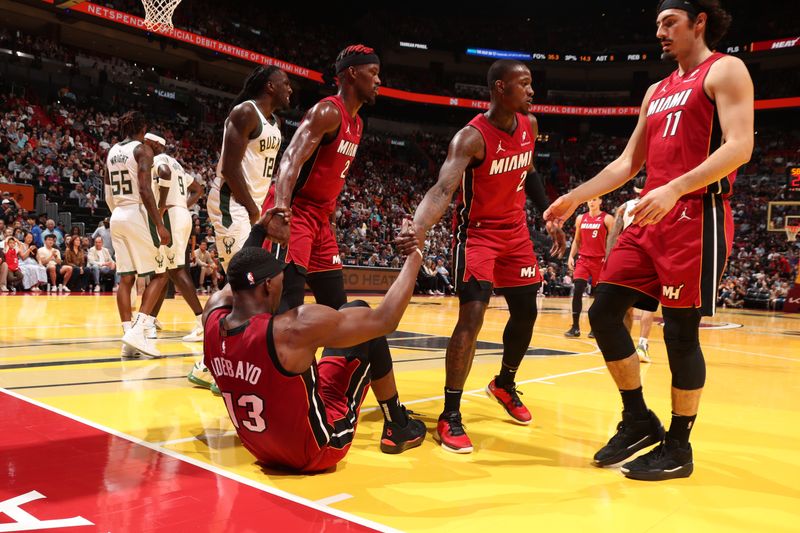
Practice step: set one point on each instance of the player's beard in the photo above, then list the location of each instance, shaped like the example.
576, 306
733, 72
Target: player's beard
668, 57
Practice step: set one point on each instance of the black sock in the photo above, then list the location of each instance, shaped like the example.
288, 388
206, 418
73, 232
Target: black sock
680, 428
505, 377
576, 320
452, 400
633, 401
393, 411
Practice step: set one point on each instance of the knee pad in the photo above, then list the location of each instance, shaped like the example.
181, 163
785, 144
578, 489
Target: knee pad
606, 316
682, 339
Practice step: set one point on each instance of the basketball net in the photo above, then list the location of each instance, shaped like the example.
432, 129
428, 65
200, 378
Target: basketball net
791, 233
158, 14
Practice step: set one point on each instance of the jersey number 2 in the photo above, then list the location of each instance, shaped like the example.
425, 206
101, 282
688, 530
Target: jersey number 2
522, 181
255, 411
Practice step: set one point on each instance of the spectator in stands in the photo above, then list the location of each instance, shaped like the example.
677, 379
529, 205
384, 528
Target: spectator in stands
443, 278
51, 229
76, 258
78, 195
50, 258
103, 231
202, 259
426, 279
10, 275
33, 274
99, 262
36, 231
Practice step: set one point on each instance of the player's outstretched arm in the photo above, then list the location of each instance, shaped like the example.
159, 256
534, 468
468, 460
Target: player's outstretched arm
299, 332
465, 147
728, 83
144, 161
241, 123
612, 176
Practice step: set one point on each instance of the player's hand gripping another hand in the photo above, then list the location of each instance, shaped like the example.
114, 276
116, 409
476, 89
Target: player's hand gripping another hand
276, 221
408, 241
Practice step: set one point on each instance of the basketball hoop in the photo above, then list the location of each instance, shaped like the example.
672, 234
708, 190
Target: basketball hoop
791, 233
158, 14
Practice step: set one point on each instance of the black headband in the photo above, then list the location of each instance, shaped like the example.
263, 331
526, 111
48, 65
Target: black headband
257, 274
685, 5
356, 59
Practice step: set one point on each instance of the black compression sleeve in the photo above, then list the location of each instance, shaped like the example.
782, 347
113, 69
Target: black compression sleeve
534, 188
256, 238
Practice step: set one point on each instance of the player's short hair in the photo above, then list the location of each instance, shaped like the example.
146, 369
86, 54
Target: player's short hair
500, 69
131, 123
718, 20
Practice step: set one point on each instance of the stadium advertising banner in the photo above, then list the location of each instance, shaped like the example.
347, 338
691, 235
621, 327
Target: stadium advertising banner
23, 194
120, 17
775, 44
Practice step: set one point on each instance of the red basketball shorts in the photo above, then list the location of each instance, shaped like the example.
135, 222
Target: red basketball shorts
679, 261
500, 257
343, 385
312, 243
589, 267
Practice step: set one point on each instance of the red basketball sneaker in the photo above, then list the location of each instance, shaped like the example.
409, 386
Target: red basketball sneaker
508, 397
451, 435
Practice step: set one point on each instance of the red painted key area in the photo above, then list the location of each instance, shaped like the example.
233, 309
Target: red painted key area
55, 468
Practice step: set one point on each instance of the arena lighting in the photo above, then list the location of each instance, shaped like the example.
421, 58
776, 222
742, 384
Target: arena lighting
419, 46
120, 17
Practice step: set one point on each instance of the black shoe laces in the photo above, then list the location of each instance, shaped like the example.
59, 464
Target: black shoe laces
456, 427
514, 393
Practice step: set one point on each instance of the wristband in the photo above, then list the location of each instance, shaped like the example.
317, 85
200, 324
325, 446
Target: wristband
419, 252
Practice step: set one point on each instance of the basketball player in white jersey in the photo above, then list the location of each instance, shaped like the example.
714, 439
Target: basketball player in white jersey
624, 217
137, 230
176, 191
250, 146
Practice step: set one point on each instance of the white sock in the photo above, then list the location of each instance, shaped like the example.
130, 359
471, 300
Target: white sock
643, 341
199, 319
147, 320
126, 326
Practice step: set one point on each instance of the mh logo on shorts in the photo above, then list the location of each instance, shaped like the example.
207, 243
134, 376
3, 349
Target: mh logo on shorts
336, 260
528, 272
228, 242
672, 293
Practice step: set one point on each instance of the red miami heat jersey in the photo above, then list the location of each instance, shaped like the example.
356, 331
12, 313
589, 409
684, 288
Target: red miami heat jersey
493, 193
322, 177
279, 416
593, 235
683, 129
